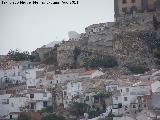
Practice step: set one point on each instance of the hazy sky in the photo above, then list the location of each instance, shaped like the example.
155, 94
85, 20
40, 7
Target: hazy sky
28, 27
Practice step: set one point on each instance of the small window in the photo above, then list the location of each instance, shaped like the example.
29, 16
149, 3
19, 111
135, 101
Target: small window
14, 74
45, 104
65, 93
5, 101
12, 104
116, 98
125, 98
31, 95
124, 1
109, 89
133, 1
87, 98
127, 89
145, 105
10, 117
134, 106
32, 106
121, 90
44, 94
18, 73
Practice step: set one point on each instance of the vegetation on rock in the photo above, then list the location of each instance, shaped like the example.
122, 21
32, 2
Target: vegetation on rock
16, 55
106, 62
53, 117
51, 56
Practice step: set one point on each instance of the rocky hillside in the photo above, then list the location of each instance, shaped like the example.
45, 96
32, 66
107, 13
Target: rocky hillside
131, 40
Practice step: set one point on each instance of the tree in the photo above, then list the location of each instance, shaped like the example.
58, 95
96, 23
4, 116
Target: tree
79, 109
100, 97
49, 109
34, 57
24, 116
137, 69
76, 52
51, 57
16, 55
53, 117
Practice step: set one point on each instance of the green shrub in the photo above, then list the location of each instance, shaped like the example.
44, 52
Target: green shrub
23, 116
137, 69
16, 55
53, 117
106, 62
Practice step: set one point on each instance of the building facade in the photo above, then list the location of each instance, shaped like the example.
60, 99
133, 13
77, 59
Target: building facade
122, 7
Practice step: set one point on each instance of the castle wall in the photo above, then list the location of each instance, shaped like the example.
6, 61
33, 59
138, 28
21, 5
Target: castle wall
123, 7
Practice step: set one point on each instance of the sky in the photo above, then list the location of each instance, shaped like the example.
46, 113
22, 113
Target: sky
27, 27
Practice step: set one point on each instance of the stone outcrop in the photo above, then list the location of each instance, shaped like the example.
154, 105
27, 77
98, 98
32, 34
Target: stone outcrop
65, 53
134, 48
131, 39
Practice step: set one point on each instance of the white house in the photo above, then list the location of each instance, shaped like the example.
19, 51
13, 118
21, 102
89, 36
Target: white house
73, 89
132, 97
38, 99
4, 104
12, 104
155, 86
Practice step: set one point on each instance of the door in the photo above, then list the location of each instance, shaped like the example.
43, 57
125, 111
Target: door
144, 4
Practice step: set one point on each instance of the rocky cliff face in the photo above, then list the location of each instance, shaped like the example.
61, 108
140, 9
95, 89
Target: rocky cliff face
134, 48
130, 39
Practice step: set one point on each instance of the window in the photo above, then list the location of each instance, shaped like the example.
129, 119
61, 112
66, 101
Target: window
125, 98
109, 89
65, 93
31, 95
12, 104
14, 74
18, 73
145, 105
44, 94
133, 1
45, 104
124, 1
32, 106
134, 106
116, 98
29, 65
115, 88
127, 89
87, 98
139, 98
5, 101
10, 117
